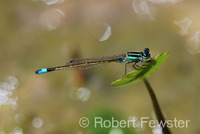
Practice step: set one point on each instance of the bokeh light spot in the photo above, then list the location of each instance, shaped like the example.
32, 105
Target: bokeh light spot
83, 94
51, 19
6, 91
157, 129
37, 122
51, 2
107, 33
143, 9
17, 130
193, 44
184, 24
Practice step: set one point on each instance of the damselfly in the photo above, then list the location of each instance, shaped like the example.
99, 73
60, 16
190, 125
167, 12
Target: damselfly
81, 63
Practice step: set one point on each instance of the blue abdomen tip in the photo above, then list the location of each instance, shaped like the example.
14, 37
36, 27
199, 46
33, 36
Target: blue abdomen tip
44, 70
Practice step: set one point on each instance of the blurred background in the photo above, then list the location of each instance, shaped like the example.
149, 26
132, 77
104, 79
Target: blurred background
37, 34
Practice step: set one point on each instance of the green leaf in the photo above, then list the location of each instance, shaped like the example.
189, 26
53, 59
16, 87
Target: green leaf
144, 71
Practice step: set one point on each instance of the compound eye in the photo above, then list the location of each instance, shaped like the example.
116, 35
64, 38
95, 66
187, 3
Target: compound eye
146, 50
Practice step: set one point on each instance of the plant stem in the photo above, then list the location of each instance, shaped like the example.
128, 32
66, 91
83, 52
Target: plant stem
156, 106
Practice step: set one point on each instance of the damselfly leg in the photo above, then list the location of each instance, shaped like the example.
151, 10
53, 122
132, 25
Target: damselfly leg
134, 65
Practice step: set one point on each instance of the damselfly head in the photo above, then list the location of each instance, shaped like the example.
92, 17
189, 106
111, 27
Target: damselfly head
146, 53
